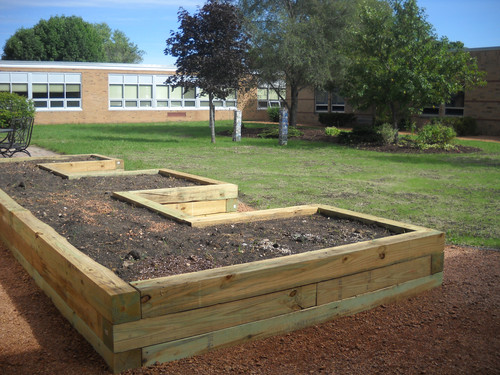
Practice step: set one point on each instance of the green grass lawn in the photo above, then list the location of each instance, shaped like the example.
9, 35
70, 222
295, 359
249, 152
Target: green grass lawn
455, 193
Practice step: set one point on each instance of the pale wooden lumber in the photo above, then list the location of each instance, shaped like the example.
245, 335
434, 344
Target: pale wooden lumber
153, 206
285, 323
251, 216
204, 288
395, 226
189, 193
369, 281
200, 208
170, 327
191, 177
65, 267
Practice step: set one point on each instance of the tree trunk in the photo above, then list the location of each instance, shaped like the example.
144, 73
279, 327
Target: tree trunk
292, 116
211, 116
394, 117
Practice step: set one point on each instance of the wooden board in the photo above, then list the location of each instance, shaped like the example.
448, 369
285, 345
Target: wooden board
369, 281
170, 327
189, 193
251, 216
190, 177
200, 208
199, 344
204, 288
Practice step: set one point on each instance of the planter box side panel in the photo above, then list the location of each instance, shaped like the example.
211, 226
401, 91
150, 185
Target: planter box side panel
189, 291
285, 323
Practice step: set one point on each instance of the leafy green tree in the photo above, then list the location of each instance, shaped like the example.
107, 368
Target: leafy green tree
297, 41
211, 51
398, 64
71, 39
117, 46
56, 39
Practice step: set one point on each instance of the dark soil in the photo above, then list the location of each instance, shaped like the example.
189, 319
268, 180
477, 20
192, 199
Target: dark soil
318, 135
138, 244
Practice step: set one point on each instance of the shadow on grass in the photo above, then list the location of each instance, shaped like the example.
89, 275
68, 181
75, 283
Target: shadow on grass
456, 160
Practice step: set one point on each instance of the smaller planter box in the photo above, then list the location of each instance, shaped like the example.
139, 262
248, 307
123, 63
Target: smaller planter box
77, 169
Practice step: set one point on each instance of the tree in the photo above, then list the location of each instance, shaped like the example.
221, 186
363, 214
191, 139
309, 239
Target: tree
211, 50
297, 41
399, 66
117, 46
71, 39
57, 39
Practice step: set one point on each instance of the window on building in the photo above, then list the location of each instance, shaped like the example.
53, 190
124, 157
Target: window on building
328, 101
131, 91
321, 101
338, 103
431, 110
268, 97
456, 105
49, 91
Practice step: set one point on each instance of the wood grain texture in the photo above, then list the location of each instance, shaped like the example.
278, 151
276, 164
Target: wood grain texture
175, 326
209, 287
285, 323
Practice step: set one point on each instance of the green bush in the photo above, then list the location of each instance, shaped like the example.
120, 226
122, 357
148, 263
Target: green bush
332, 131
274, 132
274, 114
360, 134
12, 106
435, 136
462, 125
387, 134
336, 119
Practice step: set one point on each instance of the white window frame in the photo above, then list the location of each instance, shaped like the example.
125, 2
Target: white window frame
269, 101
451, 109
334, 104
50, 79
185, 101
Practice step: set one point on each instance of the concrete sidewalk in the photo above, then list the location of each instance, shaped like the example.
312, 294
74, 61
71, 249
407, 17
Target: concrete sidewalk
35, 151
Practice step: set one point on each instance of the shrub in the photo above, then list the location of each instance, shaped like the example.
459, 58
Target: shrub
274, 132
336, 119
360, 134
12, 106
274, 114
435, 136
462, 125
332, 131
387, 134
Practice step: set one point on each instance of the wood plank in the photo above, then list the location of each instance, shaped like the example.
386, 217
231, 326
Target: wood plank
170, 327
251, 216
285, 323
153, 206
437, 263
200, 208
395, 226
369, 281
204, 288
191, 177
75, 275
189, 193
111, 173
232, 205
83, 166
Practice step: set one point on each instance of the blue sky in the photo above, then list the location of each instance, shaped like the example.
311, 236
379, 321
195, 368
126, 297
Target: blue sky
148, 23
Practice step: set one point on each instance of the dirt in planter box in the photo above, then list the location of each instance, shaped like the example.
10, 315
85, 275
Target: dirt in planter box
138, 244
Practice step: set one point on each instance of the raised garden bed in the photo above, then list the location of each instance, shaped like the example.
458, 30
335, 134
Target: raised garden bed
166, 318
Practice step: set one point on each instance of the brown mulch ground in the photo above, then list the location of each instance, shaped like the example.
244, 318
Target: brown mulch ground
454, 329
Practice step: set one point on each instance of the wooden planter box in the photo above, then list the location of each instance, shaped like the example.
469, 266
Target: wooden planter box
163, 319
